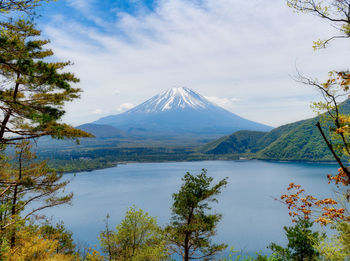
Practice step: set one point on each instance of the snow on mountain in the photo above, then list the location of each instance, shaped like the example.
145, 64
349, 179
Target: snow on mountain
173, 98
179, 111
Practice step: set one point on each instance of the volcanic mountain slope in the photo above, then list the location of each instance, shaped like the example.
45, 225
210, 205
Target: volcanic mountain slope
180, 111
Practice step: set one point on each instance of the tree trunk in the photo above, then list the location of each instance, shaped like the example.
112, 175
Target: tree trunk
187, 237
8, 114
13, 213
186, 249
14, 199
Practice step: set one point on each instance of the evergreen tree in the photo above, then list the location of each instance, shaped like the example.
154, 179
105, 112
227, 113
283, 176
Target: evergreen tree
191, 226
33, 90
302, 243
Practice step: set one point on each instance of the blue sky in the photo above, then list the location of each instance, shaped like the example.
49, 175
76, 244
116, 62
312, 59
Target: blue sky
83, 10
239, 54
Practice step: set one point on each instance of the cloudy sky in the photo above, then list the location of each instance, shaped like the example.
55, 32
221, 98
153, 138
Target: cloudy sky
240, 54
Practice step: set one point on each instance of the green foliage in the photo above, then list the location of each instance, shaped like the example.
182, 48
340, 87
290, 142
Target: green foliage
302, 243
191, 227
303, 142
94, 255
236, 256
238, 142
296, 141
337, 248
61, 235
136, 238
273, 257
299, 141
33, 91
85, 159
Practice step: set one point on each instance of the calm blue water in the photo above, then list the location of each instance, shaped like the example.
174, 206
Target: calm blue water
251, 218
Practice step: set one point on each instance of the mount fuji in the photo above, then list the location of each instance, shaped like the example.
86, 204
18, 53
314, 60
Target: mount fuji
179, 111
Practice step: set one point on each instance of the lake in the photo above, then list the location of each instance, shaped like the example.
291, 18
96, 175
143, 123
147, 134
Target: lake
251, 218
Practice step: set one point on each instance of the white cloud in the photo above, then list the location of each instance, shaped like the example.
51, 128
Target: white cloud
227, 103
81, 5
97, 111
125, 106
245, 49
116, 92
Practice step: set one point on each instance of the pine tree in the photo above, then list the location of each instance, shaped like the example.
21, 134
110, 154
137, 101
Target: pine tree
33, 90
302, 243
191, 227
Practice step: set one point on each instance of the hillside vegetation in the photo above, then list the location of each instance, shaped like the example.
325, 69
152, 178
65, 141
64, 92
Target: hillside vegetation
298, 141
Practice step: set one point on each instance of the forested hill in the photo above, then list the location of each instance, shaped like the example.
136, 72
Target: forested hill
238, 142
299, 141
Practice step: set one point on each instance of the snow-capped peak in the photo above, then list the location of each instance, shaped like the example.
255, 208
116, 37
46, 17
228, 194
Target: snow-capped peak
173, 99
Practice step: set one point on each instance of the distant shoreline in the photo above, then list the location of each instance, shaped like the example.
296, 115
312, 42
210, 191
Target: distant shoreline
113, 165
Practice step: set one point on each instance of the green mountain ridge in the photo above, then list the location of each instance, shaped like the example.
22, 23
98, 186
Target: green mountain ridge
301, 141
238, 142
298, 141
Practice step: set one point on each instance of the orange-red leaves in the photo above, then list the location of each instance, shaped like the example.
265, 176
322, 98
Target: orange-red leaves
307, 206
